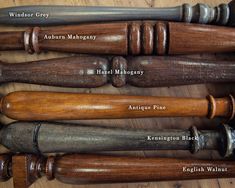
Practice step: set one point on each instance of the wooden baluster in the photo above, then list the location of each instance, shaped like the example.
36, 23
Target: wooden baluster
43, 137
76, 169
28, 105
83, 169
65, 15
134, 38
92, 71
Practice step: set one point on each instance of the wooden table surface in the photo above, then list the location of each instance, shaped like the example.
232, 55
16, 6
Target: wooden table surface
154, 123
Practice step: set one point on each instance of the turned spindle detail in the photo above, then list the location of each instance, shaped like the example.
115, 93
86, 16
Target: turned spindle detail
202, 13
44, 137
123, 38
26, 169
141, 71
61, 15
83, 169
143, 38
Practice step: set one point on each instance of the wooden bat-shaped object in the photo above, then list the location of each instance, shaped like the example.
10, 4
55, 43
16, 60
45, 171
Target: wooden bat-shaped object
60, 15
83, 169
145, 71
156, 38
41, 138
29, 105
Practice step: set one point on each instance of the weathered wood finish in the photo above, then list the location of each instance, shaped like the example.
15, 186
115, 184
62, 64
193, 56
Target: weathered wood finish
72, 106
42, 138
84, 72
83, 169
68, 72
134, 38
200, 91
170, 71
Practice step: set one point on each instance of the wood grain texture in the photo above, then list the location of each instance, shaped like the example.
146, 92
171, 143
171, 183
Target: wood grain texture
123, 38
20, 168
140, 71
98, 169
88, 169
218, 90
32, 106
170, 71
188, 39
67, 72
110, 39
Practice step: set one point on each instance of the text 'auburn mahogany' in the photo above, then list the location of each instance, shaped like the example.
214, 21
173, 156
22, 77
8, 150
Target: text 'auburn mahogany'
147, 37
78, 169
145, 71
28, 105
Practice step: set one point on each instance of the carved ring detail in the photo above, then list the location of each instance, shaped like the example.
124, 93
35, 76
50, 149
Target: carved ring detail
212, 106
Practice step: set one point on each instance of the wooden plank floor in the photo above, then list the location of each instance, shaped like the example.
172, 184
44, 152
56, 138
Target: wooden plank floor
154, 123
